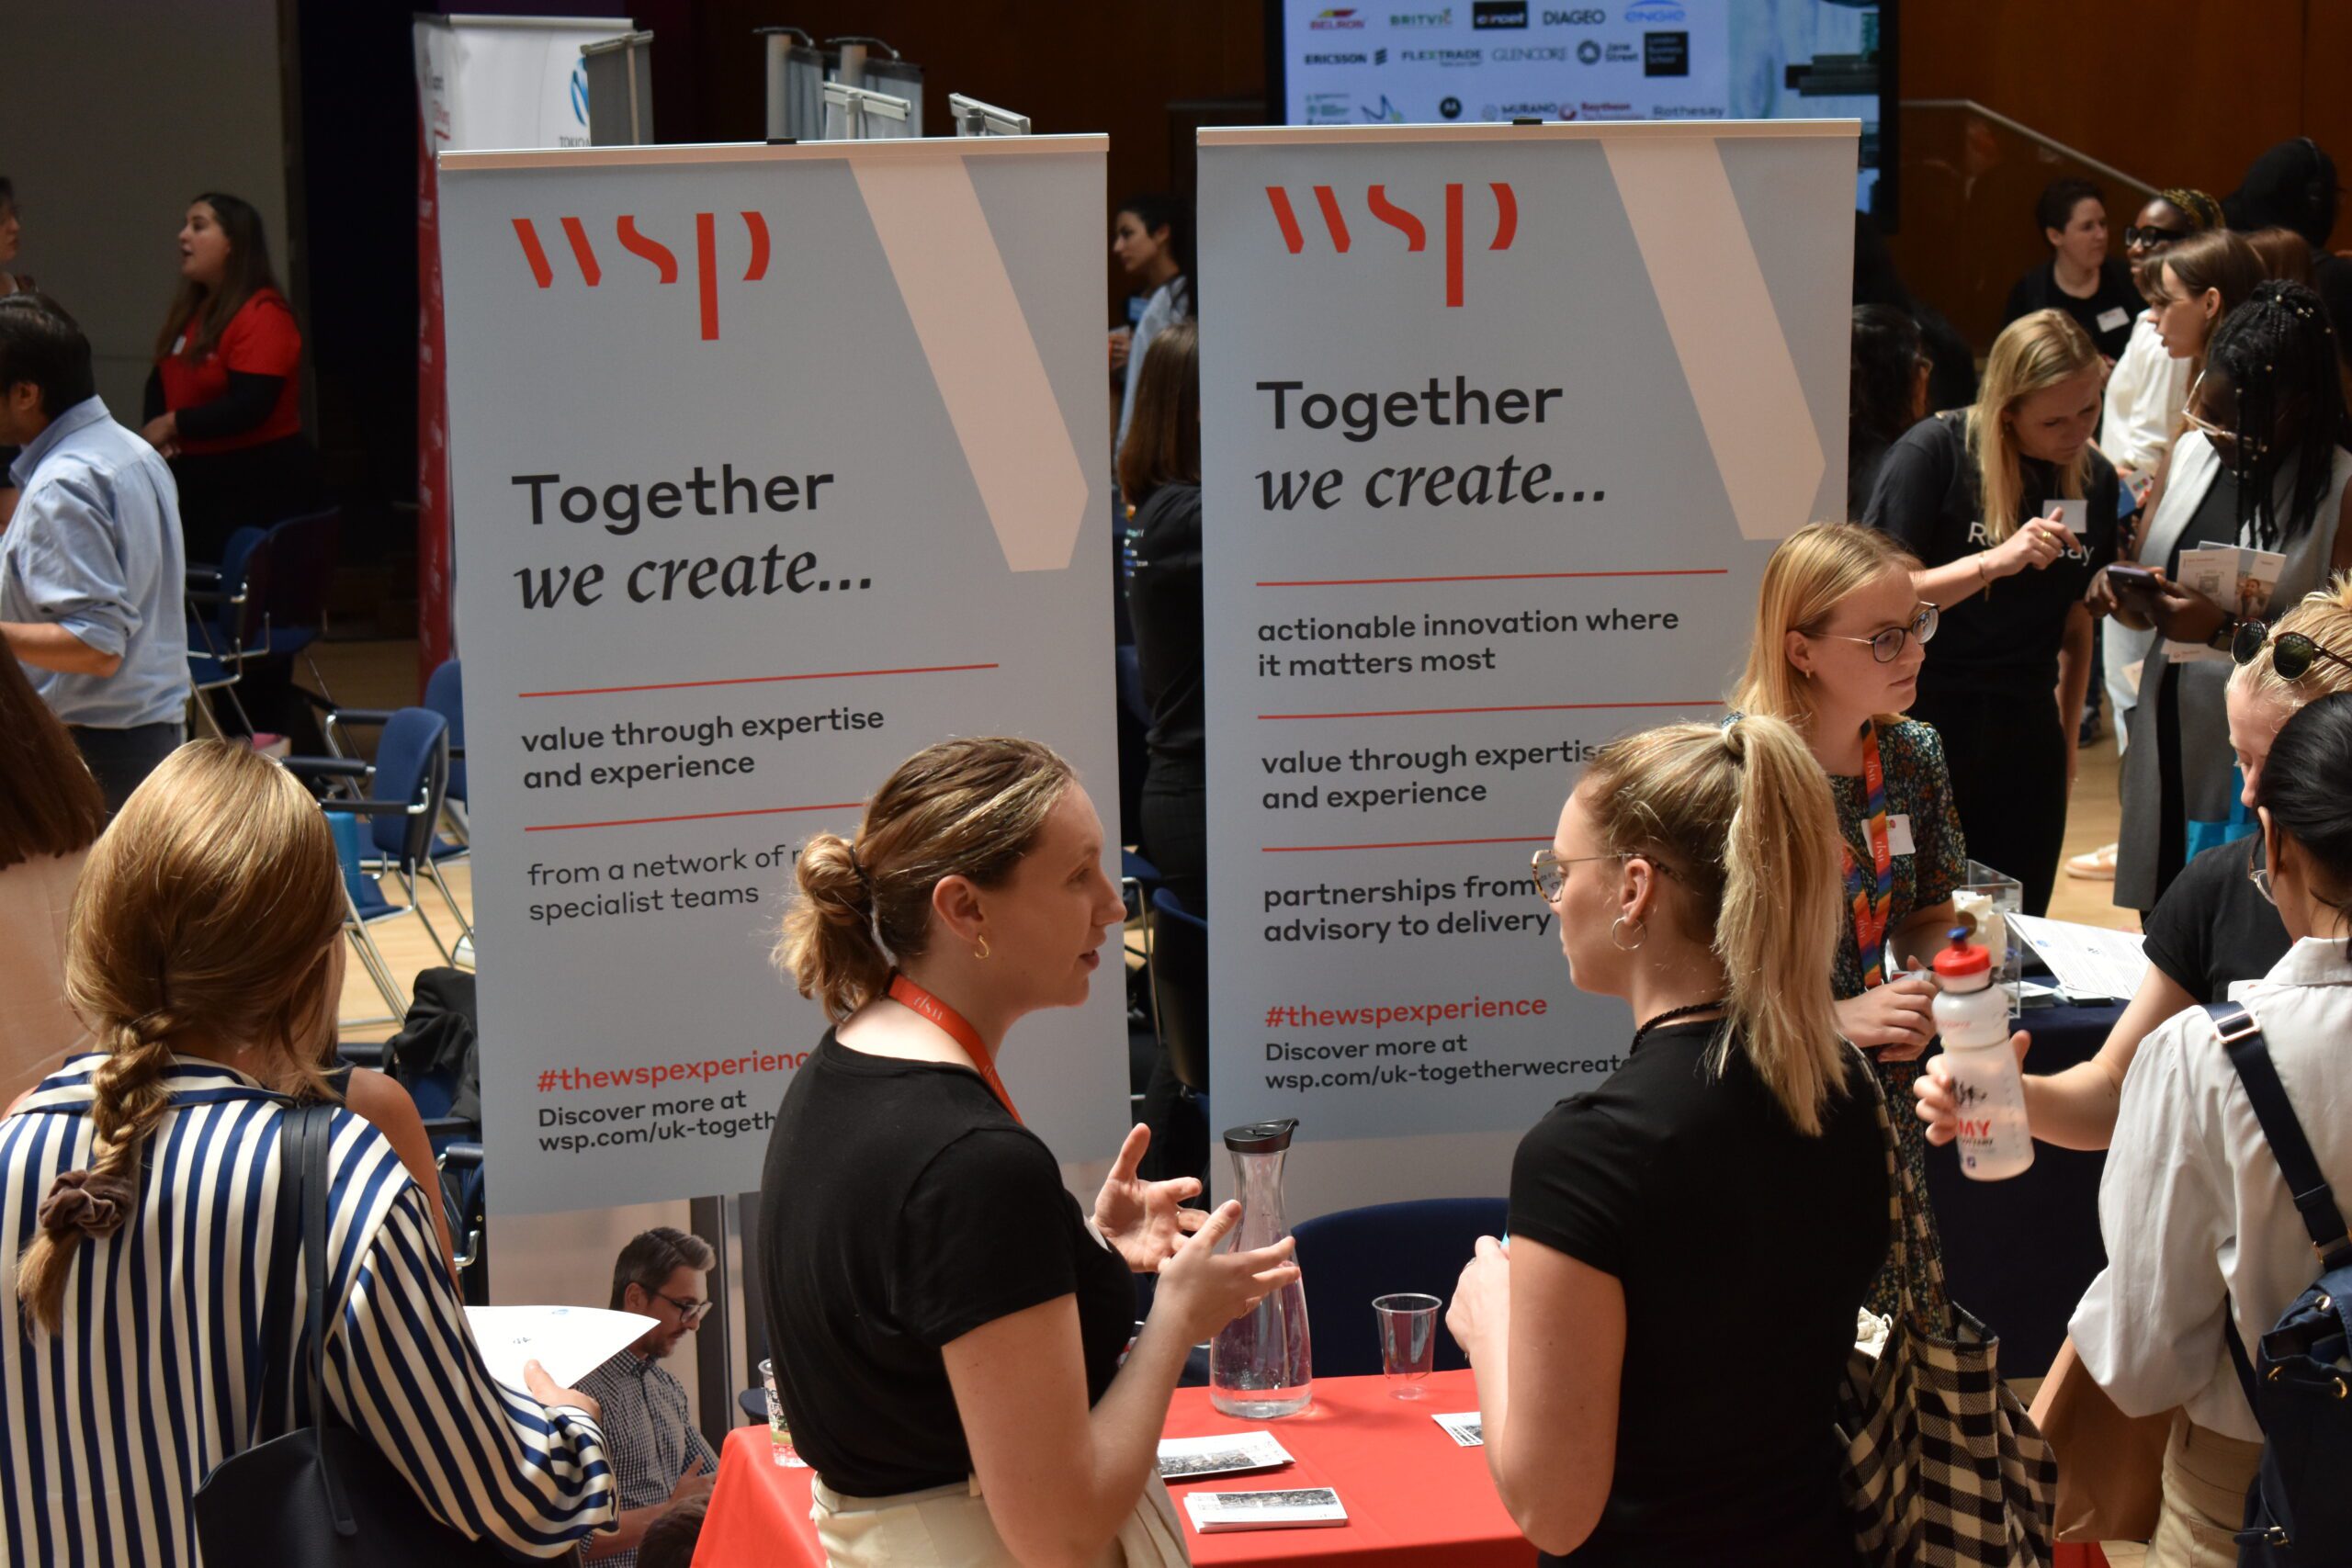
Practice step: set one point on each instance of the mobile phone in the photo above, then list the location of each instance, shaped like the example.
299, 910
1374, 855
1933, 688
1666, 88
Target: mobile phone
2129, 577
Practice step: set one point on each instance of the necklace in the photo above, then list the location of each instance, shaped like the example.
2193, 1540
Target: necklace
1669, 1017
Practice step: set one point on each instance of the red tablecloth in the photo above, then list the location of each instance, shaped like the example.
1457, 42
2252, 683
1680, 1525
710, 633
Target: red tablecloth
1412, 1497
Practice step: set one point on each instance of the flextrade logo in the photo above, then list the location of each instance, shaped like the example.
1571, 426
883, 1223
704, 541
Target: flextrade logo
663, 260
1446, 58
1402, 219
1338, 19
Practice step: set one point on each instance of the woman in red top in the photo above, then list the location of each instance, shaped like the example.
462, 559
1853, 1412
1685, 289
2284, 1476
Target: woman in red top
223, 402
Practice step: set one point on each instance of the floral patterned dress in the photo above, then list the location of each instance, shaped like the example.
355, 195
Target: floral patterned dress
1911, 756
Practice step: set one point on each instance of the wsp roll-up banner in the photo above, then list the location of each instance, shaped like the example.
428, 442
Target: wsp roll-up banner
481, 82
773, 465
1500, 424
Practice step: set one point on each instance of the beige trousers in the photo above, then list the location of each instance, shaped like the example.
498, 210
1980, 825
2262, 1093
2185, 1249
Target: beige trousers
2206, 1477
948, 1526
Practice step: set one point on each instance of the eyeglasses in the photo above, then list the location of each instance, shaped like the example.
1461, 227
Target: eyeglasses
689, 1312
2152, 235
1886, 647
1551, 870
2292, 653
2259, 874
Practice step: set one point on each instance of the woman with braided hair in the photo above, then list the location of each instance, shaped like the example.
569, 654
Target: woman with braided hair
2258, 465
148, 1305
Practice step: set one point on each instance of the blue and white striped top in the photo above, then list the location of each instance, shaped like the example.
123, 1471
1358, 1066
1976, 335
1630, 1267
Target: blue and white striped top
171, 1356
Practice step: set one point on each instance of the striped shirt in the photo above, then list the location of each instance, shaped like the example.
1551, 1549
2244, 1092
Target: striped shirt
184, 1342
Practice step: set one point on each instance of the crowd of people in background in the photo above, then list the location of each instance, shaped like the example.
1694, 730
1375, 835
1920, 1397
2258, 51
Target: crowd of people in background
956, 1338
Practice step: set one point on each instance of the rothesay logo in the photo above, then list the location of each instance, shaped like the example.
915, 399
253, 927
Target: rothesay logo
1397, 216
653, 253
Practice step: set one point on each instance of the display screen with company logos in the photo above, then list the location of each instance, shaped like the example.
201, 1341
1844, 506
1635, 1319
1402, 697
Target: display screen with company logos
1394, 62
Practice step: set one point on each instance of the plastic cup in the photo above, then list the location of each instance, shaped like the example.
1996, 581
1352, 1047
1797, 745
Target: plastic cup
1408, 1341
779, 1429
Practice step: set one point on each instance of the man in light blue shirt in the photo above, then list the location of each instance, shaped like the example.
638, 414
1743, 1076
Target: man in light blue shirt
92, 570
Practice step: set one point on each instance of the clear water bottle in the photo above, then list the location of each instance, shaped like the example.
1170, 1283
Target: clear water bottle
1260, 1364
1973, 1015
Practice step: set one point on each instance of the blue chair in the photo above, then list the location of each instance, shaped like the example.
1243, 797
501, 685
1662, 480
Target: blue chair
302, 553
1179, 962
408, 777
466, 1198
445, 694
364, 906
226, 622
1347, 1259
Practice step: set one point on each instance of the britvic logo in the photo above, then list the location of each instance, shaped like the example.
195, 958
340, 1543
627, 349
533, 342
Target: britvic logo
1402, 219
663, 260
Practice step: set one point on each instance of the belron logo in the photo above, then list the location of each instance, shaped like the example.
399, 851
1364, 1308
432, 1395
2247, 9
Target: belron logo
663, 260
1416, 232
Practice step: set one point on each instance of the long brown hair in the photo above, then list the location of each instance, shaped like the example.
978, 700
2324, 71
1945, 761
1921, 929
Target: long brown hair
203, 312
967, 808
1742, 814
1814, 570
207, 912
2032, 353
49, 803
1163, 443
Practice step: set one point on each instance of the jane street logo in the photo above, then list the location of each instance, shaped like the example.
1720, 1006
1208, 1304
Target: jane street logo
1402, 219
663, 260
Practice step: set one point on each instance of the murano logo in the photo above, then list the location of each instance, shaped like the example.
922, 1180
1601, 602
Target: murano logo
1403, 221
663, 260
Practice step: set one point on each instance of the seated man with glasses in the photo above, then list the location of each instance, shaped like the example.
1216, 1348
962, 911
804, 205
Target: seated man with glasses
659, 1459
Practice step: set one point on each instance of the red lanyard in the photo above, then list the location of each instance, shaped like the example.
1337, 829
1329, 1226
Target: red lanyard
906, 994
1872, 915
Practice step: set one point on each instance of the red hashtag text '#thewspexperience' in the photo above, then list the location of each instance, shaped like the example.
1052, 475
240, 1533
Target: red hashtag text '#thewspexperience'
1301, 1015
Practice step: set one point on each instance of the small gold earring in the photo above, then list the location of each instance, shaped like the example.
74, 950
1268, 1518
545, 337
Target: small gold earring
981, 950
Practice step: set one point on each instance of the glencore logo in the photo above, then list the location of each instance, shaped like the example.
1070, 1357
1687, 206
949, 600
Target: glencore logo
1337, 18
663, 260
1401, 218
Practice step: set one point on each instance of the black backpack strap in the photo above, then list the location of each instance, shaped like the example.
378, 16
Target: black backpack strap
2314, 1200
313, 1130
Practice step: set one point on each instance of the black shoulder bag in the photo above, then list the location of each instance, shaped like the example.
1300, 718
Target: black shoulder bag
321, 1493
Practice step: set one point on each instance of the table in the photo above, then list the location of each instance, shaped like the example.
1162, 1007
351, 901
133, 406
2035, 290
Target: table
1413, 1498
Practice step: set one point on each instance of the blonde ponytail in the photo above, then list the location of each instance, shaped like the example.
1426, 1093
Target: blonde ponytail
1743, 814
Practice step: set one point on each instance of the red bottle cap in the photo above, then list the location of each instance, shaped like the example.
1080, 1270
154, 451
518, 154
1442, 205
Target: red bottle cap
1964, 957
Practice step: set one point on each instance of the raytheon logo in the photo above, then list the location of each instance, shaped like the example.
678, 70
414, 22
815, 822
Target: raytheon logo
1403, 220
663, 260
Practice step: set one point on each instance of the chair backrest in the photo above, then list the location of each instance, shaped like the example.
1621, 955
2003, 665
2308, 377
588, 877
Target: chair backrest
1180, 988
411, 765
227, 629
302, 560
445, 694
1347, 1259
1132, 723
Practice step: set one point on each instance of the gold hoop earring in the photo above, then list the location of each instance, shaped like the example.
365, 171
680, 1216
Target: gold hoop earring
1641, 935
981, 950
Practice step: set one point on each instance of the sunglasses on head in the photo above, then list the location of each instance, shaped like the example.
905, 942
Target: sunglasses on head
2152, 235
2292, 653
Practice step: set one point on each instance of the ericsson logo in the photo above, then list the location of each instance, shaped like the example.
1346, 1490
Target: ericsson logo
1401, 218
663, 260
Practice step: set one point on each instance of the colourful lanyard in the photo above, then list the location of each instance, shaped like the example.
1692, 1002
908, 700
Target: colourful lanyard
906, 994
1870, 915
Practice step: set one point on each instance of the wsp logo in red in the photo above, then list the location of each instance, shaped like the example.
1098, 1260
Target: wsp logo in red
1403, 221
663, 260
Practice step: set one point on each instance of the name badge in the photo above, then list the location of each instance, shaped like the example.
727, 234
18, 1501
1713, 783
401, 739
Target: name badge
2114, 320
1899, 835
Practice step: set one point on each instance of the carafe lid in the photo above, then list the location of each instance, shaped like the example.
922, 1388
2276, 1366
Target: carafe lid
1262, 1137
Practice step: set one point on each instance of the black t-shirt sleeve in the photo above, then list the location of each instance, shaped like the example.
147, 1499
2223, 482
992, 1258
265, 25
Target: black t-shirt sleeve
2025, 296
250, 398
986, 1233
2179, 933
1907, 501
1576, 1184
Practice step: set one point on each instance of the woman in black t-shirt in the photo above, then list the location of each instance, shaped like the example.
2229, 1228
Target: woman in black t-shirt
2211, 930
1730, 1173
947, 1324
2080, 278
1977, 495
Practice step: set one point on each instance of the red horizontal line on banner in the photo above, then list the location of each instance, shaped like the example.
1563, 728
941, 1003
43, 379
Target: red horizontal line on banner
696, 816
1490, 576
757, 680
1408, 844
1518, 707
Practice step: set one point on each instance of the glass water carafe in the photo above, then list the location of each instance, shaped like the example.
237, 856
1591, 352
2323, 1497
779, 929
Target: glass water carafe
1259, 1365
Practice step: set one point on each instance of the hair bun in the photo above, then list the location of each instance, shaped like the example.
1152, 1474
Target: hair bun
831, 877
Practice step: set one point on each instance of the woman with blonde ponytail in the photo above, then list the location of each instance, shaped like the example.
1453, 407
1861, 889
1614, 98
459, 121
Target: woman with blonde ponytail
947, 1323
1731, 1168
205, 955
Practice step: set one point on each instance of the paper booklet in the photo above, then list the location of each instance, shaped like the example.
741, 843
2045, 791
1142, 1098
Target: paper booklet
1230, 1453
1304, 1507
1466, 1428
569, 1341
2088, 960
2239, 579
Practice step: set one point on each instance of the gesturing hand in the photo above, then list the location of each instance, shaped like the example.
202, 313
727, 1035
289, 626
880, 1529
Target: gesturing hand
1144, 1220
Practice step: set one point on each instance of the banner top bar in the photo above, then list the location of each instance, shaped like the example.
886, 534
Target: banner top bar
456, 162
1550, 130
